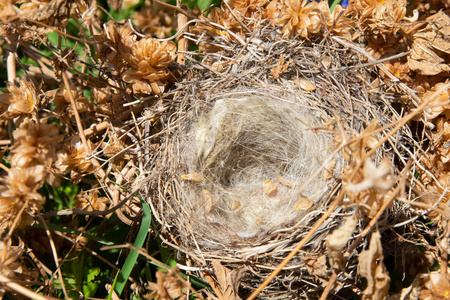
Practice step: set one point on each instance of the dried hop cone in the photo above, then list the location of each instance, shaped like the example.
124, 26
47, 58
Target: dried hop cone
73, 159
380, 14
149, 60
296, 17
114, 41
34, 144
19, 101
11, 266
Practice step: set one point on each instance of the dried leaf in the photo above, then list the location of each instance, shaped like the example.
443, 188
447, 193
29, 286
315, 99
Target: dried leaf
326, 62
229, 280
280, 68
329, 171
371, 267
376, 177
429, 286
303, 203
194, 176
436, 286
337, 240
209, 200
305, 85
317, 266
430, 47
269, 188
167, 286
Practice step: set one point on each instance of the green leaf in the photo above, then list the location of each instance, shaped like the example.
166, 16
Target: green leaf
133, 255
333, 4
91, 285
204, 4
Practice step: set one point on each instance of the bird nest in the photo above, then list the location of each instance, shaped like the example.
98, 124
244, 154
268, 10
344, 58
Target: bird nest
270, 143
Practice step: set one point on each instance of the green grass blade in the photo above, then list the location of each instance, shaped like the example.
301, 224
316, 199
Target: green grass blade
333, 4
133, 255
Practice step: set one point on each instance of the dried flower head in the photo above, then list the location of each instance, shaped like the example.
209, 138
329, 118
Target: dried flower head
63, 106
390, 11
55, 13
149, 60
336, 21
34, 144
23, 183
247, 8
430, 47
114, 41
19, 101
398, 69
223, 17
20, 194
7, 210
438, 98
295, 17
11, 266
28, 8
242, 12
238, 17
380, 16
73, 159
9, 256
167, 286
109, 100
115, 150
155, 19
91, 201
7, 10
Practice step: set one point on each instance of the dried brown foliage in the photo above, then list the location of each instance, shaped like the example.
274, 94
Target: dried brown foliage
76, 115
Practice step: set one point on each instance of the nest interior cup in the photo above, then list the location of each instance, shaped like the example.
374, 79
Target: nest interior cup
253, 151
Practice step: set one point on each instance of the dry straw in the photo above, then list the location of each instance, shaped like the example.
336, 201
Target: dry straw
252, 148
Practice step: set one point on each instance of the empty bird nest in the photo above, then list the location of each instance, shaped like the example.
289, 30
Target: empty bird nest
283, 151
